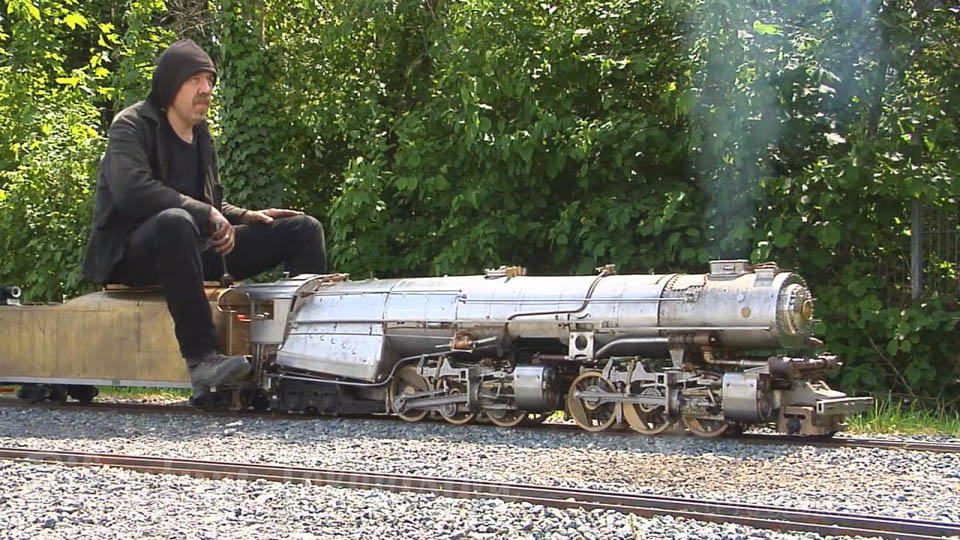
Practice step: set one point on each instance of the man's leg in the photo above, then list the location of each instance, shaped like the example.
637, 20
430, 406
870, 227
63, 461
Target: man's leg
296, 241
166, 249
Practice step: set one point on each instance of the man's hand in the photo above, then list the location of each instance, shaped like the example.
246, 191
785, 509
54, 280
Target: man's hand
222, 234
268, 215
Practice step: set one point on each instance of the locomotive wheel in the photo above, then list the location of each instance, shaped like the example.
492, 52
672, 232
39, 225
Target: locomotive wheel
58, 393
260, 403
506, 418
644, 418
449, 412
32, 393
83, 393
590, 415
703, 427
407, 381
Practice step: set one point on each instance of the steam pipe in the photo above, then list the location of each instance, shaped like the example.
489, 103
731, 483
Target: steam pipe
630, 341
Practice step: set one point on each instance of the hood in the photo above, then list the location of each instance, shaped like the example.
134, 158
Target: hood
182, 59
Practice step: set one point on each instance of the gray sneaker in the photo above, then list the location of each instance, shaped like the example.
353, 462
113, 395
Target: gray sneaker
215, 369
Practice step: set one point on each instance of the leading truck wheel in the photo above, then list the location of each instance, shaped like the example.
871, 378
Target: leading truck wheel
505, 417
703, 427
450, 412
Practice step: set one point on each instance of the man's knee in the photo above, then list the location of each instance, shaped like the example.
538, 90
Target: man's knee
309, 247
175, 226
175, 220
306, 230
309, 224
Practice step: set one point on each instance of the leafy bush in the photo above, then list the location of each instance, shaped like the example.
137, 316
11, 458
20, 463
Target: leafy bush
46, 202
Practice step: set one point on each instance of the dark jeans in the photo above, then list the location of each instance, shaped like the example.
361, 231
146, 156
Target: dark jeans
170, 249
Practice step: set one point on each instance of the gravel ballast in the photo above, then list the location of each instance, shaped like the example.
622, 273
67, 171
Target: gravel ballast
898, 483
111, 503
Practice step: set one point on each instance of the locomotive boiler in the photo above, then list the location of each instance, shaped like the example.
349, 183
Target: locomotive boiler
712, 352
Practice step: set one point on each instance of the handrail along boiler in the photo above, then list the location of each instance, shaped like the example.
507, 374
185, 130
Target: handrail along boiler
645, 350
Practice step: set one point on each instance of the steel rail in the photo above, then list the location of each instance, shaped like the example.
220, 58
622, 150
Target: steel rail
757, 438
764, 517
851, 442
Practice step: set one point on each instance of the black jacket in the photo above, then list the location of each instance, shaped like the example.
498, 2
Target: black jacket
134, 186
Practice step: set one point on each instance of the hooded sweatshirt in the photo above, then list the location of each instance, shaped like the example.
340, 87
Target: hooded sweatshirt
182, 60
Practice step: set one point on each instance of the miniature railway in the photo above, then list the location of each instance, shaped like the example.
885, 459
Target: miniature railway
765, 517
757, 438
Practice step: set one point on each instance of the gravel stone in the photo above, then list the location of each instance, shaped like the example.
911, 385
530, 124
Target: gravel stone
64, 502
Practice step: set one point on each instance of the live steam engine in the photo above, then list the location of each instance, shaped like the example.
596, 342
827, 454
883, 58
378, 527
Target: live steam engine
715, 352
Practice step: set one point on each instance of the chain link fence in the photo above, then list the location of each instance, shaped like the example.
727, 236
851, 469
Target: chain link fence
940, 257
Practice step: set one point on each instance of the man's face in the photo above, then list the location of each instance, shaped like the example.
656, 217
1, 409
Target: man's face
193, 98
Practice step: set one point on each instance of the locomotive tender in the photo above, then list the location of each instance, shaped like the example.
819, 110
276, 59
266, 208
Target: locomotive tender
708, 351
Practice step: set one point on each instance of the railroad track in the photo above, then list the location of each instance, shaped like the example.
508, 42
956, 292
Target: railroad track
758, 438
765, 517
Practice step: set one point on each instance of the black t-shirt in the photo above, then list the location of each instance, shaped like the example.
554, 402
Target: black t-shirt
183, 160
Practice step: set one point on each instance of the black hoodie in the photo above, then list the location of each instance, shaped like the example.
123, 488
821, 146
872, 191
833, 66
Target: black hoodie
182, 60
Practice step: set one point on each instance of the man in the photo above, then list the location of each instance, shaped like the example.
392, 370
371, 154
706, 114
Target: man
160, 215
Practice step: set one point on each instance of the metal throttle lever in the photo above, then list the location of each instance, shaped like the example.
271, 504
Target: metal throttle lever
226, 279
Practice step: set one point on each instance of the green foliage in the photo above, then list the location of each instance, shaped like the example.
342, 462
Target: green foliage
46, 202
255, 124
49, 143
896, 416
479, 133
444, 137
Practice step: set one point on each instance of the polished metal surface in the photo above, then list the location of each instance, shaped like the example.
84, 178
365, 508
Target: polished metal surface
744, 397
336, 328
534, 388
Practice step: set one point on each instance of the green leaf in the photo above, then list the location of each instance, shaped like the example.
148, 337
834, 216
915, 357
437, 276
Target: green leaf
857, 287
75, 19
783, 239
850, 378
913, 374
766, 29
407, 183
830, 235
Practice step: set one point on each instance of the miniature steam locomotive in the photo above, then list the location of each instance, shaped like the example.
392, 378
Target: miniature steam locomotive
715, 352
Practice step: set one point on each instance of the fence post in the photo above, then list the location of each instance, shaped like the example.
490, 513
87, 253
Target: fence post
916, 250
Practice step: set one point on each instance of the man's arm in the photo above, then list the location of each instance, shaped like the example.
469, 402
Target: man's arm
234, 214
130, 180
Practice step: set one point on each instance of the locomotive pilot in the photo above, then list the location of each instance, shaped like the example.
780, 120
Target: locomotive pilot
161, 217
